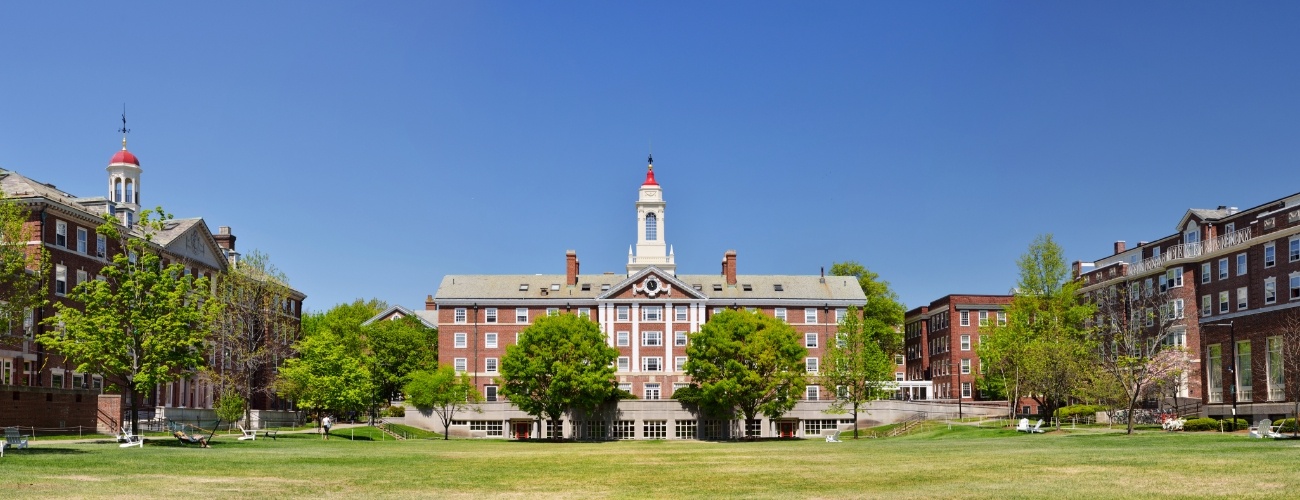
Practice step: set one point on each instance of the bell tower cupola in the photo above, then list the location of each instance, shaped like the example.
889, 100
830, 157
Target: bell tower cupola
651, 246
124, 180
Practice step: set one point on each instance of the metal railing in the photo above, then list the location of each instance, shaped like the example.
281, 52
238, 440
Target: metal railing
1190, 251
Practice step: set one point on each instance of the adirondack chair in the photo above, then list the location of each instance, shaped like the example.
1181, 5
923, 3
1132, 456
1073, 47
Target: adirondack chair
248, 435
1023, 426
1037, 428
832, 436
14, 439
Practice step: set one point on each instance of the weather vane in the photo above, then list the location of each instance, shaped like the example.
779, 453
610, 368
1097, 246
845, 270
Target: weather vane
124, 130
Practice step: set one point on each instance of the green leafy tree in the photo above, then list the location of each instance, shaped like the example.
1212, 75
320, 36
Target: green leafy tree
561, 363
24, 270
329, 375
230, 407
255, 330
399, 348
744, 363
1133, 338
1043, 351
144, 324
442, 392
860, 363
883, 310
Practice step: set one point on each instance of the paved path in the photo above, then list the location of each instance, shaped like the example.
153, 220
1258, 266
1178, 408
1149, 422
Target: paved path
106, 439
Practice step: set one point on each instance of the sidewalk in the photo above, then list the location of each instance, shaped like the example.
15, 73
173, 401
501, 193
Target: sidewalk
106, 439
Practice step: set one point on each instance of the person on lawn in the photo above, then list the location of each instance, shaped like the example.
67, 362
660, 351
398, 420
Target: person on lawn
325, 424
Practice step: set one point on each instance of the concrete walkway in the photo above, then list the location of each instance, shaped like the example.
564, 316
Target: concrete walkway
106, 439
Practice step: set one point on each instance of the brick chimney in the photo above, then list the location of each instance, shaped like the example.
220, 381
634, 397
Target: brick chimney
225, 240
571, 267
729, 266
1119, 246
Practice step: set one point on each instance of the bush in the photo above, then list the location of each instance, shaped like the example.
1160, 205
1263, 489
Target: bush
393, 411
1201, 424
1078, 411
1285, 425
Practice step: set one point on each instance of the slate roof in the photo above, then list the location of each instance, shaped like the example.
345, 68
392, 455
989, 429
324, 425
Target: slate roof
507, 286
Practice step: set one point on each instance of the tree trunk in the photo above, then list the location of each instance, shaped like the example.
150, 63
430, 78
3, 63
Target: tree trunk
1132, 402
135, 408
855, 421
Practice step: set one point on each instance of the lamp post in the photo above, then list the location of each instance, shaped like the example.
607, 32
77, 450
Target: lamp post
1232, 366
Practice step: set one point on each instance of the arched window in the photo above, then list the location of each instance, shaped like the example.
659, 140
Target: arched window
117, 190
130, 191
651, 227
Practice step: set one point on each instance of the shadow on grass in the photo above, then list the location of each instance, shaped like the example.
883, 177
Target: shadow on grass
44, 450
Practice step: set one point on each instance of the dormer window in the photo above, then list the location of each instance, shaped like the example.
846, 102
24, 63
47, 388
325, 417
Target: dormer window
747, 288
555, 287
778, 287
586, 287
604, 287
717, 287
523, 287
651, 227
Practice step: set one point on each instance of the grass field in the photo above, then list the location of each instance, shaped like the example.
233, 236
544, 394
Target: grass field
964, 462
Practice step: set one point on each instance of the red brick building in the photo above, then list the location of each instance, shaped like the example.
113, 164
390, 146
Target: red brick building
941, 342
1229, 279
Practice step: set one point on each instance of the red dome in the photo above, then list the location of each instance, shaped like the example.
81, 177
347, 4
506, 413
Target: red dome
124, 156
650, 179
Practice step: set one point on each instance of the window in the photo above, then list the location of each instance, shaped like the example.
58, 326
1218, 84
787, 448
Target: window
60, 280
965, 389
718, 310
100, 246
623, 312
490, 393
1274, 367
523, 287
679, 363
1245, 391
1223, 302
651, 391
61, 233
82, 237
984, 318
1223, 268
624, 363
652, 339
1151, 317
460, 315
1164, 283
747, 287
1207, 305
490, 365
679, 339
1270, 255
680, 313
82, 277
624, 429
555, 287
552, 311
1294, 249
812, 392
1175, 277
965, 366
1178, 309
777, 287
1270, 291
1295, 286
964, 318
1146, 287
780, 313
810, 365
839, 315
491, 315
460, 364
841, 340
1214, 372
652, 313
521, 315
898, 359
651, 227
810, 340
460, 341
685, 429
604, 287
810, 315
965, 342
654, 429
652, 364
1229, 228
584, 312
1241, 264
622, 339
1241, 298
1206, 272
490, 340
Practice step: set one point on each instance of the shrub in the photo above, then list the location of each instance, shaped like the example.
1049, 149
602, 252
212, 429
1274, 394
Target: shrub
230, 407
1285, 425
1078, 411
1201, 424
394, 411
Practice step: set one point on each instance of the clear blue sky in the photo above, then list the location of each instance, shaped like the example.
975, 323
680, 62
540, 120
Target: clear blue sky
371, 148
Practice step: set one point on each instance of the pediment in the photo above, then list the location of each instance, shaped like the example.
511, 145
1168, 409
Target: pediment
651, 283
196, 245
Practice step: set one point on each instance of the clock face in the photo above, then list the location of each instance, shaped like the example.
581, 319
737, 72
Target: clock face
652, 284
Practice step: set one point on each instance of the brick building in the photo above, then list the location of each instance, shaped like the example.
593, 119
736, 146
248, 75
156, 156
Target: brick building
65, 225
1228, 280
646, 313
941, 341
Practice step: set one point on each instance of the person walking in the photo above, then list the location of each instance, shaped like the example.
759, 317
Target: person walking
325, 424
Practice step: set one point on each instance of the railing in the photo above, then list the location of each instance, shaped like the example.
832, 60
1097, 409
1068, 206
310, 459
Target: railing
1190, 250
1276, 393
1216, 394
1245, 394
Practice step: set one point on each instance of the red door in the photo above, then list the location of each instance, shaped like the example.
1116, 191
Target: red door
786, 429
522, 429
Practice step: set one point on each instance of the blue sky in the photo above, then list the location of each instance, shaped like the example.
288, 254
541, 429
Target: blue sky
371, 148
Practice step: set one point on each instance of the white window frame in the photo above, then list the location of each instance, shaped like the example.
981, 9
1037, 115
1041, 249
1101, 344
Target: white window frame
624, 363
1294, 287
679, 363
521, 315
82, 240
652, 314
1270, 290
60, 233
460, 316
965, 366
622, 313
1293, 249
1223, 302
584, 312
965, 342
984, 318
1207, 305
963, 318
651, 338
811, 364
810, 315
1175, 277
652, 364
490, 315
651, 391
60, 280
810, 339
622, 339
812, 392
1207, 272
681, 313
1180, 309
101, 246
552, 311
965, 389
1270, 255
680, 339
840, 314
490, 365
461, 365
1243, 301
82, 277
1002, 318
490, 340
780, 313
1241, 264
460, 340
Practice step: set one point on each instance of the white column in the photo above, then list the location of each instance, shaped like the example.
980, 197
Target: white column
635, 340
668, 336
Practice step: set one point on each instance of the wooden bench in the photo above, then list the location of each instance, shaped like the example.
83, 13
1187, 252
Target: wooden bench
270, 434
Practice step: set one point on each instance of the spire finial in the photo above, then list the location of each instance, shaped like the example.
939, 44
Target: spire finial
650, 161
124, 130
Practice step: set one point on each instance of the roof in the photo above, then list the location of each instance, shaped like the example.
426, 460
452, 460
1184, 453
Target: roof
428, 318
713, 286
124, 156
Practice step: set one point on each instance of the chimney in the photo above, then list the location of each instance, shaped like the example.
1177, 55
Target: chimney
571, 267
729, 266
1076, 267
1119, 246
225, 240
428, 304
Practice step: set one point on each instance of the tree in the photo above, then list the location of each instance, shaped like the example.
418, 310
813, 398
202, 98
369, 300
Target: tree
860, 362
328, 375
255, 330
1136, 333
442, 392
24, 269
399, 348
744, 363
1288, 371
1043, 350
561, 363
883, 309
143, 323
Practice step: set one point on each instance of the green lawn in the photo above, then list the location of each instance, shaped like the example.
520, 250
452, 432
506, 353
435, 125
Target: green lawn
934, 463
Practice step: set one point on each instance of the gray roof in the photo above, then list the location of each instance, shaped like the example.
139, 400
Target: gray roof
539, 286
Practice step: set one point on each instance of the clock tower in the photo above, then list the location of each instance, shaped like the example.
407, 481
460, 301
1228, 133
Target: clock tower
651, 250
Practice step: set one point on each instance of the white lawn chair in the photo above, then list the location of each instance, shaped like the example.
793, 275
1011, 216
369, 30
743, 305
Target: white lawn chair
1023, 426
12, 438
1174, 424
1037, 428
248, 435
127, 439
1260, 429
832, 436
